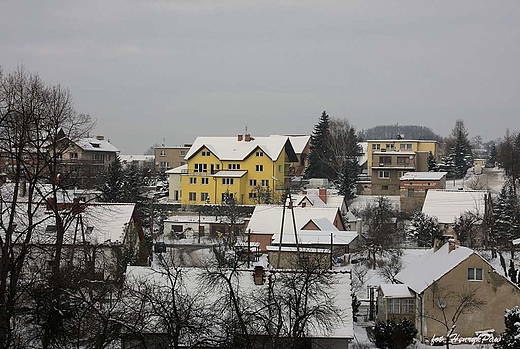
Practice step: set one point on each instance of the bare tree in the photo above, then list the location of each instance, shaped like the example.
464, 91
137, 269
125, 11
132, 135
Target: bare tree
33, 116
389, 268
172, 304
452, 306
380, 226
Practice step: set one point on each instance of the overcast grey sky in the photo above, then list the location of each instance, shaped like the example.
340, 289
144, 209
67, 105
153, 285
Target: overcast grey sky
152, 70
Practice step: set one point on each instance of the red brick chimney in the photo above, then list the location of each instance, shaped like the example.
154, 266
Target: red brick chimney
248, 137
240, 137
304, 204
323, 194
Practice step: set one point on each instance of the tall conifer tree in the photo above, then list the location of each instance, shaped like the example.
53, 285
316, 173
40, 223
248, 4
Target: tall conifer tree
320, 156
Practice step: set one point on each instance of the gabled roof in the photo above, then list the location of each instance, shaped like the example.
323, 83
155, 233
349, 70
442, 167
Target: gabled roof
323, 224
447, 204
299, 143
432, 266
395, 291
94, 144
231, 149
267, 219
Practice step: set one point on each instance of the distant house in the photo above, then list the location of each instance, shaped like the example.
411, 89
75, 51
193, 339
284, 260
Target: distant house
432, 287
168, 157
447, 204
414, 186
99, 239
389, 160
138, 161
85, 159
319, 231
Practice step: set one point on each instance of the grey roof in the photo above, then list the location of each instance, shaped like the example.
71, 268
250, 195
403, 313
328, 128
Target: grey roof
94, 144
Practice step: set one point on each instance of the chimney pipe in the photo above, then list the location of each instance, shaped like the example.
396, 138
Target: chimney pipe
248, 137
323, 194
240, 137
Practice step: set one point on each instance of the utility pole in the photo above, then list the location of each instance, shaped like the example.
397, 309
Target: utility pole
199, 227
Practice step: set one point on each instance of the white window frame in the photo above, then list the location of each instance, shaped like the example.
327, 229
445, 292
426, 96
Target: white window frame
259, 154
202, 168
252, 182
204, 196
193, 180
265, 182
204, 181
259, 168
192, 196
473, 274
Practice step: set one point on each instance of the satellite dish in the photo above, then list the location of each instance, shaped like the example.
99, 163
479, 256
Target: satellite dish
442, 303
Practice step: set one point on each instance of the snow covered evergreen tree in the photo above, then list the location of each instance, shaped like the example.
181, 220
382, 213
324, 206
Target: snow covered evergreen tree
460, 149
506, 216
425, 229
113, 182
432, 162
510, 339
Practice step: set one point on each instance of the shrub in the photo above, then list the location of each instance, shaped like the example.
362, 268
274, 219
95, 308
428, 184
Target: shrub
511, 337
394, 335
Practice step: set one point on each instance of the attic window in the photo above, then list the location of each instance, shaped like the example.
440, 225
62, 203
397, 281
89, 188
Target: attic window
475, 274
95, 145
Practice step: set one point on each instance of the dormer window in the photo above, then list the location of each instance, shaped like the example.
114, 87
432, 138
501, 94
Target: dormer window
95, 145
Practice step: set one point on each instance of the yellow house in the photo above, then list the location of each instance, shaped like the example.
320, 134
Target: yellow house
399, 145
252, 170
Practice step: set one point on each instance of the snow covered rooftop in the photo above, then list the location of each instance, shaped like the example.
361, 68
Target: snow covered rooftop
316, 237
295, 249
230, 148
324, 224
394, 152
178, 170
395, 291
267, 219
94, 144
447, 204
228, 173
129, 158
245, 286
423, 176
100, 223
431, 266
299, 143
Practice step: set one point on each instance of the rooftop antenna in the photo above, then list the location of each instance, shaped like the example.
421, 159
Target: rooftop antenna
246, 130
